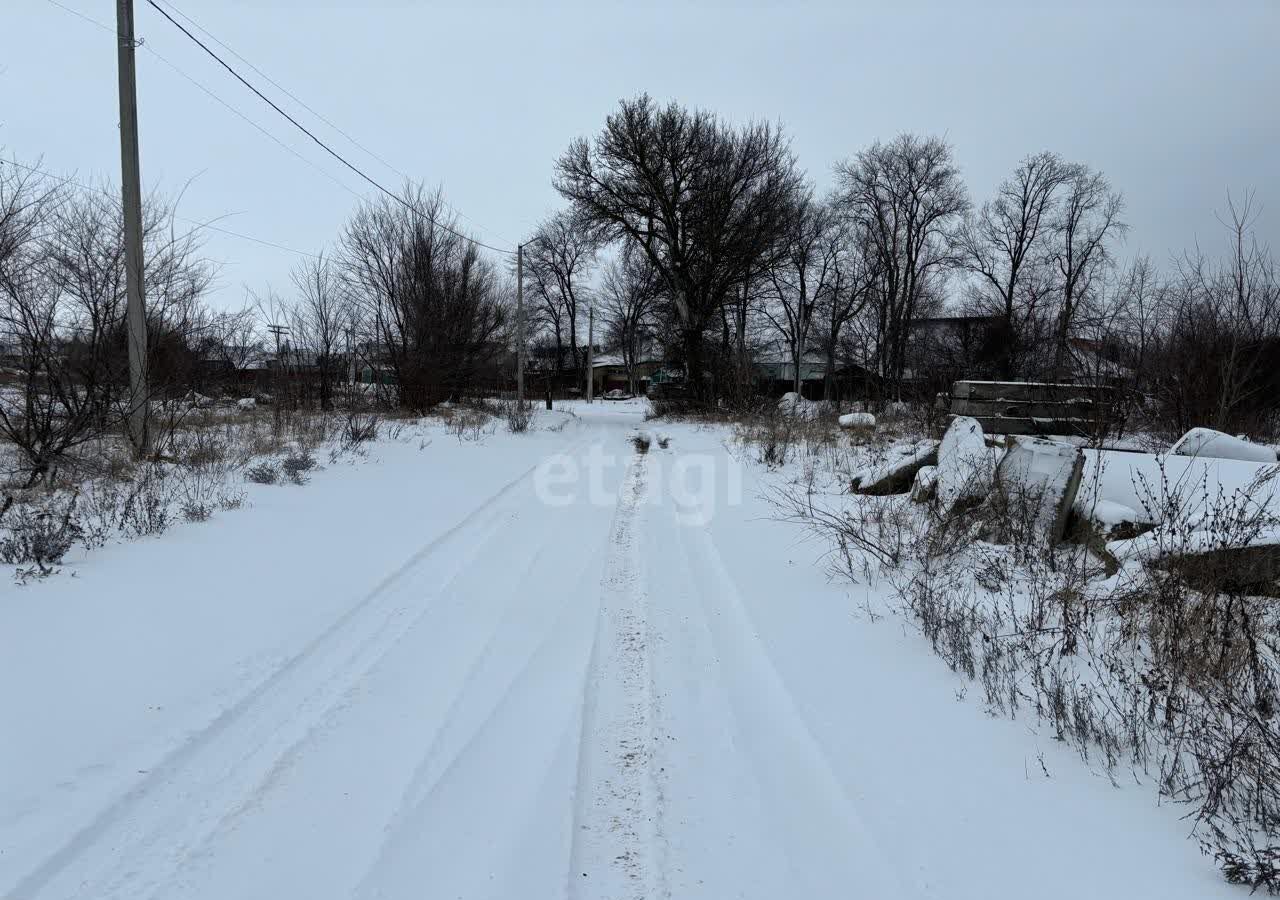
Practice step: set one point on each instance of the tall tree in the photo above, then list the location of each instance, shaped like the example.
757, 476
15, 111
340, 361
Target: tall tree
907, 195
706, 203
1088, 220
558, 261
802, 275
628, 297
847, 293
1005, 246
438, 309
321, 320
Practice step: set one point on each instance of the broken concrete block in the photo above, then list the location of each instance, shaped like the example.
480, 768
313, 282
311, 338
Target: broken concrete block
925, 485
897, 472
1205, 442
1044, 476
966, 465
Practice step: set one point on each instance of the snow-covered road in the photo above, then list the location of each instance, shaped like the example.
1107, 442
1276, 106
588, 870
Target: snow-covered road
545, 666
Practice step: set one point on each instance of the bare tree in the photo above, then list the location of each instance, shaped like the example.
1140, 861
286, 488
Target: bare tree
704, 202
1004, 247
1088, 220
437, 309
1214, 361
558, 260
907, 196
847, 293
321, 321
62, 311
45, 421
802, 275
628, 296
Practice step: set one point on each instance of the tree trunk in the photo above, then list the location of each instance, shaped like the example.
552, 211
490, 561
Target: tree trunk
829, 377
693, 363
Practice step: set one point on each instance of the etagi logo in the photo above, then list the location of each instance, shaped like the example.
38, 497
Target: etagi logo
696, 484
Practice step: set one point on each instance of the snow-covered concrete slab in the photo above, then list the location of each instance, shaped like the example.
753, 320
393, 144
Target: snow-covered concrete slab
895, 473
1045, 476
966, 465
1151, 485
925, 485
1207, 443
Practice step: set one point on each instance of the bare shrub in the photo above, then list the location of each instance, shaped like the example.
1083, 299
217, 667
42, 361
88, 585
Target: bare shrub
39, 534
101, 501
518, 414
145, 509
297, 464
869, 535
771, 436
1170, 666
468, 423
265, 472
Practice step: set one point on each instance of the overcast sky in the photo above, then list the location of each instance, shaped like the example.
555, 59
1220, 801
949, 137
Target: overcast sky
1177, 103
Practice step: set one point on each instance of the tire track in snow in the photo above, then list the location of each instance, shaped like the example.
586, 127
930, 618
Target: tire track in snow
832, 850
142, 838
613, 851
455, 737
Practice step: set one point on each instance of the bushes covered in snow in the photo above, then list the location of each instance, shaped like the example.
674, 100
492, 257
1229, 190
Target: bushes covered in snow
1162, 660
104, 494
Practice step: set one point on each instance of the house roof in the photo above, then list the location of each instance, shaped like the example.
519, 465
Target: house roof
612, 360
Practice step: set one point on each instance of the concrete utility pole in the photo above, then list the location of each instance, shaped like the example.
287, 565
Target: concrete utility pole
591, 350
520, 323
131, 188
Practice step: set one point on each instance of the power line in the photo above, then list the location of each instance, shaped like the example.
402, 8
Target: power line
79, 15
339, 157
265, 133
272, 137
196, 223
311, 109
216, 98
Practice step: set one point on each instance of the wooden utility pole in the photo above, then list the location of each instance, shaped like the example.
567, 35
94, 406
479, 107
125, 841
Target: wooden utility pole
520, 323
131, 188
591, 350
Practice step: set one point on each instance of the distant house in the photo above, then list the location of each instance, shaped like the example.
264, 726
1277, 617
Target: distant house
608, 373
775, 371
1097, 362
774, 363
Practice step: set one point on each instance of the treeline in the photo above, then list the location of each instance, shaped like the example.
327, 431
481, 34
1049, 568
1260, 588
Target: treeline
700, 246
404, 301
717, 245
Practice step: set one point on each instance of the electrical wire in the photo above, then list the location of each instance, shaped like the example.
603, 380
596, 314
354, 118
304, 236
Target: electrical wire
217, 99
319, 115
339, 157
397, 198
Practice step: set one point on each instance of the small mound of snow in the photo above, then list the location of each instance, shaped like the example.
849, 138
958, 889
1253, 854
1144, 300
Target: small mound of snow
1205, 442
857, 420
247, 403
792, 404
1110, 513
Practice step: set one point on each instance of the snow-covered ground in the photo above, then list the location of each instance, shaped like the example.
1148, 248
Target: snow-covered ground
542, 665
